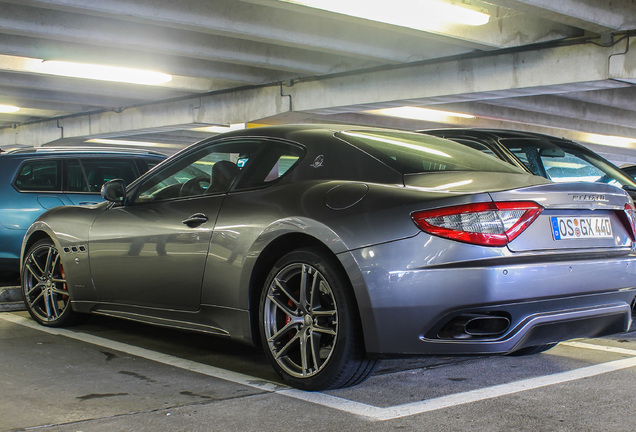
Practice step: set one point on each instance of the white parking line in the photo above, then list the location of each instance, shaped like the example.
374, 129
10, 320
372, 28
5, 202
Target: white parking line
589, 346
345, 405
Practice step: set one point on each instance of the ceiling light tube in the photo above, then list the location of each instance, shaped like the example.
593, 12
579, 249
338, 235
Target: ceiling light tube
103, 73
609, 140
417, 113
221, 129
117, 142
416, 14
8, 109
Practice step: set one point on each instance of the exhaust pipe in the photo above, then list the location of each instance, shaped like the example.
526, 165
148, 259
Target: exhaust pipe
469, 326
486, 325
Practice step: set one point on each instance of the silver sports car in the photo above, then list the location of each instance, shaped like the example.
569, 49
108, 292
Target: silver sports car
334, 246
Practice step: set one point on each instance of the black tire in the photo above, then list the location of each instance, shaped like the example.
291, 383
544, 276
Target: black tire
309, 323
44, 287
532, 350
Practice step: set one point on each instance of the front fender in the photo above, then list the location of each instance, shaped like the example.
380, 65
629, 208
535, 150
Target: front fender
68, 228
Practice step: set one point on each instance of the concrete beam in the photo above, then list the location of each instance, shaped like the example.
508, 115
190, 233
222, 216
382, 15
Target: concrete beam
623, 66
504, 30
549, 120
219, 109
622, 98
520, 71
107, 32
564, 107
294, 26
86, 101
80, 52
255, 23
592, 15
51, 83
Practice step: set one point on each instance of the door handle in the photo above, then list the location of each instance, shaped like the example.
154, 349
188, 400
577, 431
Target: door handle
195, 220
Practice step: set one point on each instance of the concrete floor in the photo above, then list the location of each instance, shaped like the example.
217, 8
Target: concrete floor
113, 375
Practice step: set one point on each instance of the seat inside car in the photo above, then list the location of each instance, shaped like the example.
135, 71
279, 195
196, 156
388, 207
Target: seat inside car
223, 174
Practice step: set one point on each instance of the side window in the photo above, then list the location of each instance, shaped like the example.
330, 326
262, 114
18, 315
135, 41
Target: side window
98, 171
39, 175
209, 170
75, 177
271, 163
148, 164
218, 167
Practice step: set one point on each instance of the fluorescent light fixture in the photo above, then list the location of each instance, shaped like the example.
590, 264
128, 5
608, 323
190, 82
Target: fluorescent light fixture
8, 109
130, 143
221, 129
608, 140
102, 73
417, 113
415, 14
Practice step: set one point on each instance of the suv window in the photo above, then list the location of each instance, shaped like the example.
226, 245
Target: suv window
89, 174
41, 175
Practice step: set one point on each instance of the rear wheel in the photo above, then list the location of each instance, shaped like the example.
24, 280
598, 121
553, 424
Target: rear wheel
44, 287
309, 323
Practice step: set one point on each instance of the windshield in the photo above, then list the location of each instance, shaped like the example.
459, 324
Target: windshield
565, 162
410, 153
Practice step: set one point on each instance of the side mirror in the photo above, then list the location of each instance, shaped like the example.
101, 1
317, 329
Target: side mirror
114, 191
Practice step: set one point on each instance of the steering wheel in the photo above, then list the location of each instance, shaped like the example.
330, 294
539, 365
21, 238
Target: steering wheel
193, 186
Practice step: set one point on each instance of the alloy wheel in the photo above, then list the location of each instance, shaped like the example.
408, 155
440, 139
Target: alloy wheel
300, 320
44, 284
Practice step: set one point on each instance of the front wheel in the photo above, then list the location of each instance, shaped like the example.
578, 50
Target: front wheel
309, 323
44, 286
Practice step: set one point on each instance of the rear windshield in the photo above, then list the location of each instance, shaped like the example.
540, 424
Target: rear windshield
564, 162
410, 153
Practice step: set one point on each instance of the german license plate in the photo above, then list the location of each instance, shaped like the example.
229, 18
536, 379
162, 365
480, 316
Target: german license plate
580, 227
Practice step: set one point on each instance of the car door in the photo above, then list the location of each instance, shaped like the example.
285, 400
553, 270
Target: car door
152, 251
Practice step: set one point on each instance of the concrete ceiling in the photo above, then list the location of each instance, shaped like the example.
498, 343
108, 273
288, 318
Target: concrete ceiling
562, 67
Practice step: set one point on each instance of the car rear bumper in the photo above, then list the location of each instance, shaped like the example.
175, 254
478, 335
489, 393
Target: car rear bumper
422, 310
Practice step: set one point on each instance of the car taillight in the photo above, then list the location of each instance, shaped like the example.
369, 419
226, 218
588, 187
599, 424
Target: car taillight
487, 224
630, 212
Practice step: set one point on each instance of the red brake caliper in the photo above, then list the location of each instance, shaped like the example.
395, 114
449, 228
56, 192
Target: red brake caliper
288, 318
64, 284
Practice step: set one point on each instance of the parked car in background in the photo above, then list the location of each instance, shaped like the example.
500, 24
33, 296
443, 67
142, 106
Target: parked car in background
33, 180
333, 246
557, 159
630, 170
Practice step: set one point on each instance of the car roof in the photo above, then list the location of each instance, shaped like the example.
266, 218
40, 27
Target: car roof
495, 133
78, 151
301, 132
